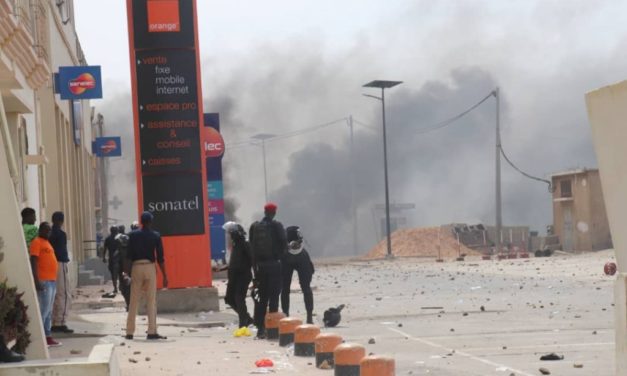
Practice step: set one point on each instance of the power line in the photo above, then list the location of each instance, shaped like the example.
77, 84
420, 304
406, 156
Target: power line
449, 121
307, 130
442, 124
551, 188
367, 126
299, 132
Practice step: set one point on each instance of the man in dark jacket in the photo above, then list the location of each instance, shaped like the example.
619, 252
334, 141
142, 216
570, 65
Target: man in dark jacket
268, 243
239, 273
297, 259
111, 246
145, 248
124, 281
62, 299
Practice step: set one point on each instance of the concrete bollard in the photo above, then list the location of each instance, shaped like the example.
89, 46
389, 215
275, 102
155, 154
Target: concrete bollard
347, 358
304, 340
272, 324
377, 366
324, 345
287, 326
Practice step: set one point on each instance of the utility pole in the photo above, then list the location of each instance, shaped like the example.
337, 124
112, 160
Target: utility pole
352, 177
499, 218
263, 137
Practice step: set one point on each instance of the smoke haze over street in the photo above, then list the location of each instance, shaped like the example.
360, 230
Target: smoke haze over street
543, 55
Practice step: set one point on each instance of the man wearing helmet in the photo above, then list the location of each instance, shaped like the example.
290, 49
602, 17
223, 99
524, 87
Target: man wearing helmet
239, 272
297, 259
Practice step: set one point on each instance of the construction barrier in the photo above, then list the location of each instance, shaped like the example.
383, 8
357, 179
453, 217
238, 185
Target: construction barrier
324, 344
287, 326
272, 324
377, 366
305, 339
347, 358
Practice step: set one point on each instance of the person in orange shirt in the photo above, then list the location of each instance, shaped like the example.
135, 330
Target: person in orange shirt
44, 266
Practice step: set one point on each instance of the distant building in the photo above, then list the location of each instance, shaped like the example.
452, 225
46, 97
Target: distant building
579, 217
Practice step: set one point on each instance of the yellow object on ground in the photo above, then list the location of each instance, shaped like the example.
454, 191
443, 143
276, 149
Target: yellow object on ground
242, 332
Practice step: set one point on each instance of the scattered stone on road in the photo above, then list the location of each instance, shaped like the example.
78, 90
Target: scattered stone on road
544, 371
325, 365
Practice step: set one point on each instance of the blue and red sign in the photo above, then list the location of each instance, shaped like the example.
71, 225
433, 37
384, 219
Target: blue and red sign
107, 147
80, 82
213, 146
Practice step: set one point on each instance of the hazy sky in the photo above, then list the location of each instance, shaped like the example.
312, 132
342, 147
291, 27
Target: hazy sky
279, 66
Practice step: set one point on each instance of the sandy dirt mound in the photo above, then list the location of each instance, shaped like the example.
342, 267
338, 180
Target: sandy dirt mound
421, 242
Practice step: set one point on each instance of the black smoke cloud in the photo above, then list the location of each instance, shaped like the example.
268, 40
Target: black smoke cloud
449, 173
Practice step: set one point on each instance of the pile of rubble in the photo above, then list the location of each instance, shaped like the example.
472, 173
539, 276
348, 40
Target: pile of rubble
422, 242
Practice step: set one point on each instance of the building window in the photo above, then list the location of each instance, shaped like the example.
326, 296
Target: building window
65, 10
566, 188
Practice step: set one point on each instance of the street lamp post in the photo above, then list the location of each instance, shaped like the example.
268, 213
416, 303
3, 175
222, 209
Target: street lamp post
263, 137
384, 85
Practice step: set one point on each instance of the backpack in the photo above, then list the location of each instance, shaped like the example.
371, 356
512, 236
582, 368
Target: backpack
263, 244
122, 240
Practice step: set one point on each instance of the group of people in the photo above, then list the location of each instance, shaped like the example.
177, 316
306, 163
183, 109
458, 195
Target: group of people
132, 259
269, 259
49, 258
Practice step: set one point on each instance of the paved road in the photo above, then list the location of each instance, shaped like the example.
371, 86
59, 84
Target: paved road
468, 318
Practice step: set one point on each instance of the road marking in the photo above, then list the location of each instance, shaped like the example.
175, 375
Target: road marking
542, 346
464, 354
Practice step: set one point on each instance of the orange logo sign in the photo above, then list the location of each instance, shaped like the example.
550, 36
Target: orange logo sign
213, 143
82, 83
163, 16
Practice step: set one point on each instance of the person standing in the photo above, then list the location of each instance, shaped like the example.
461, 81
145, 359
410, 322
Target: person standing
63, 296
144, 248
29, 218
268, 244
111, 246
44, 266
297, 259
239, 273
124, 281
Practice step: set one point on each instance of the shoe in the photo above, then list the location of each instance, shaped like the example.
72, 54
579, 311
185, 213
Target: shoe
61, 329
9, 356
51, 342
261, 335
129, 336
250, 321
155, 336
